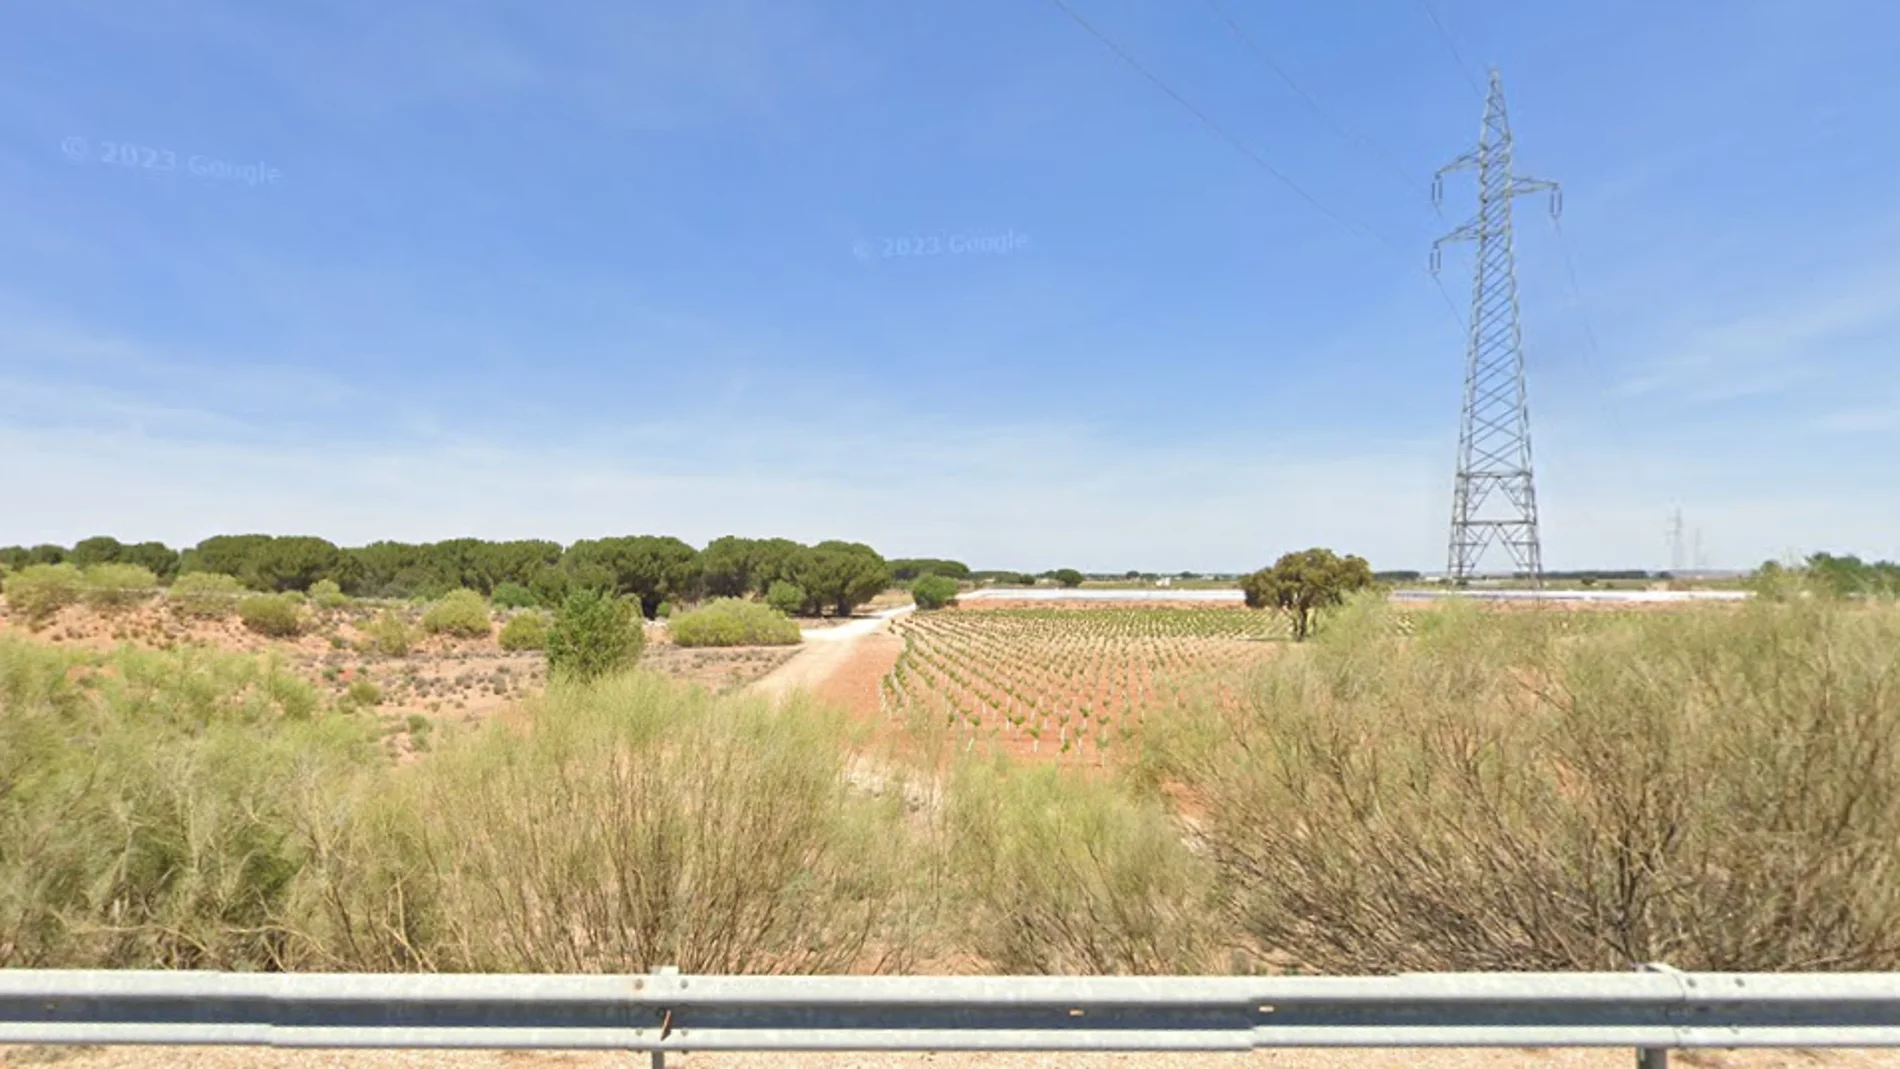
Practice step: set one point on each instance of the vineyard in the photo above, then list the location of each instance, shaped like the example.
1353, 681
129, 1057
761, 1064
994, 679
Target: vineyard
1074, 683
1066, 683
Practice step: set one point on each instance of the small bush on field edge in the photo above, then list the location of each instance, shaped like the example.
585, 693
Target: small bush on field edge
525, 631
461, 613
273, 615
734, 622
594, 635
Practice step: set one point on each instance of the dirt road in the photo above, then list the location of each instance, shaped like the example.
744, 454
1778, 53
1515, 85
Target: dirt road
825, 651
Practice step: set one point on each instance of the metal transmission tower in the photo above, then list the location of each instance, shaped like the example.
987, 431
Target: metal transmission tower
1494, 437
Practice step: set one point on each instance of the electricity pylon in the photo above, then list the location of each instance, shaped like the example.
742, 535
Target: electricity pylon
1494, 437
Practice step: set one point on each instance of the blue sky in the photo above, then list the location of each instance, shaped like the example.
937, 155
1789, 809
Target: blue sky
582, 268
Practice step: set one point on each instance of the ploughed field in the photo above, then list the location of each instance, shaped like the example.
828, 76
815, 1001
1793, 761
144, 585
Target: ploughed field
1069, 683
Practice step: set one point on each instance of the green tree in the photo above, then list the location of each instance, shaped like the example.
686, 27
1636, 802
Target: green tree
46, 553
224, 554
648, 567
99, 549
594, 634
933, 591
157, 556
1304, 583
384, 569
787, 598
905, 570
725, 566
294, 562
512, 595
772, 560
1067, 577
840, 574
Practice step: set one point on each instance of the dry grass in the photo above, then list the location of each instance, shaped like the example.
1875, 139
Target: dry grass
1713, 788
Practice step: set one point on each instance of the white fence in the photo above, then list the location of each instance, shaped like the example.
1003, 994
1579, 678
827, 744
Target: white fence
1651, 1011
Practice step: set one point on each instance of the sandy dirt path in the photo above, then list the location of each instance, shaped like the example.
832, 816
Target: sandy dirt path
825, 651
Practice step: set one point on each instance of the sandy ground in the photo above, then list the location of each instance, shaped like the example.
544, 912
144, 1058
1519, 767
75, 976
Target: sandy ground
441, 679
263, 1058
822, 654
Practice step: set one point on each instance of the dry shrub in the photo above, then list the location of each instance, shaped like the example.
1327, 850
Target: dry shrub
390, 634
201, 810
116, 586
153, 814
273, 615
1049, 872
204, 595
637, 824
1715, 788
38, 591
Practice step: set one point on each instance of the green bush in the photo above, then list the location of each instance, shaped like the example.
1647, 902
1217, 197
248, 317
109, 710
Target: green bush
390, 634
194, 810
933, 591
461, 613
363, 694
787, 598
204, 595
327, 594
38, 591
526, 631
733, 622
513, 596
178, 835
594, 635
272, 614
112, 586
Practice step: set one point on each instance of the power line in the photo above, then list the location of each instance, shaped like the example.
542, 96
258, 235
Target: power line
1325, 116
1208, 120
1589, 332
1241, 147
1452, 46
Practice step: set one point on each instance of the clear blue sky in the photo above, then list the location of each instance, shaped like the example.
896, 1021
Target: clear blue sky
567, 269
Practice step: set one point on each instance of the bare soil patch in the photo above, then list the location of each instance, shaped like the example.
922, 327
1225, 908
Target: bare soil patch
440, 678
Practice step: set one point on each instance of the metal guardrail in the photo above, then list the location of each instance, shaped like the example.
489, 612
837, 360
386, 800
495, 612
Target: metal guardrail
1652, 1011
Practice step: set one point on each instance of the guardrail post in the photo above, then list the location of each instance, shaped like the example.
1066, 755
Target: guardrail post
657, 1058
1654, 1057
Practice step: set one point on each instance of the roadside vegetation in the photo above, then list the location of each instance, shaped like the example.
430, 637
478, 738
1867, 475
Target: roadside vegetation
733, 622
1463, 788
1714, 787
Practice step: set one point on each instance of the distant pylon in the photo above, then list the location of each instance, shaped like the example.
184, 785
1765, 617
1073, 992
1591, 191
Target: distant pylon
1678, 555
1494, 436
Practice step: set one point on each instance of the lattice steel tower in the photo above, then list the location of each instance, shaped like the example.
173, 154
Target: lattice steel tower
1494, 438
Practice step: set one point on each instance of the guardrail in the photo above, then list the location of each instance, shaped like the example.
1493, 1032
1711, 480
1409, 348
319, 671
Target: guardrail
1653, 1011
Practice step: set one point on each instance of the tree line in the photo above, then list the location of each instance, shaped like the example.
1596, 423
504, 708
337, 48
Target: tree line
835, 576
